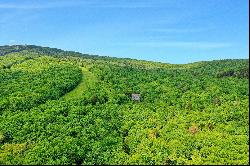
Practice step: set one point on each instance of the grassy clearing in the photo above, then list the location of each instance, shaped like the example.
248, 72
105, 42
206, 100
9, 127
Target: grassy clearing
88, 80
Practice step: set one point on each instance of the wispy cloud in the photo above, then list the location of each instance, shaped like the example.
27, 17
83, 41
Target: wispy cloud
39, 5
82, 3
17, 6
14, 18
192, 45
12, 41
181, 30
128, 4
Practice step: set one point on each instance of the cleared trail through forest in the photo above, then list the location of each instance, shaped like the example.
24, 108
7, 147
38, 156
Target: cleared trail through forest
88, 79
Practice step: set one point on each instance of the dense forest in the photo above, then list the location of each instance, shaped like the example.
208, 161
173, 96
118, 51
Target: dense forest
64, 107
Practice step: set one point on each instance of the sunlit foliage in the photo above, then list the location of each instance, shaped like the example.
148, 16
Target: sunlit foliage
61, 107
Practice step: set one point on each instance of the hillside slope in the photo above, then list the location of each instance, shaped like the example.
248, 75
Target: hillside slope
62, 107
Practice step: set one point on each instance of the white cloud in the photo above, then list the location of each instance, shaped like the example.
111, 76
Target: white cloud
81, 3
192, 45
37, 5
181, 30
133, 4
12, 41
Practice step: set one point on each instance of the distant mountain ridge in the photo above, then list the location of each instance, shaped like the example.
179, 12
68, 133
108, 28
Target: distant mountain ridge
59, 52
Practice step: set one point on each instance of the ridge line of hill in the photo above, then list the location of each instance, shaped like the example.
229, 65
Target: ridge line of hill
59, 52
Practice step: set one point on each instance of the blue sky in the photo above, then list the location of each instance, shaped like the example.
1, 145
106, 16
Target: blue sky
172, 31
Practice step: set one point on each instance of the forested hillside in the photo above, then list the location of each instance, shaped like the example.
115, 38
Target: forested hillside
64, 107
